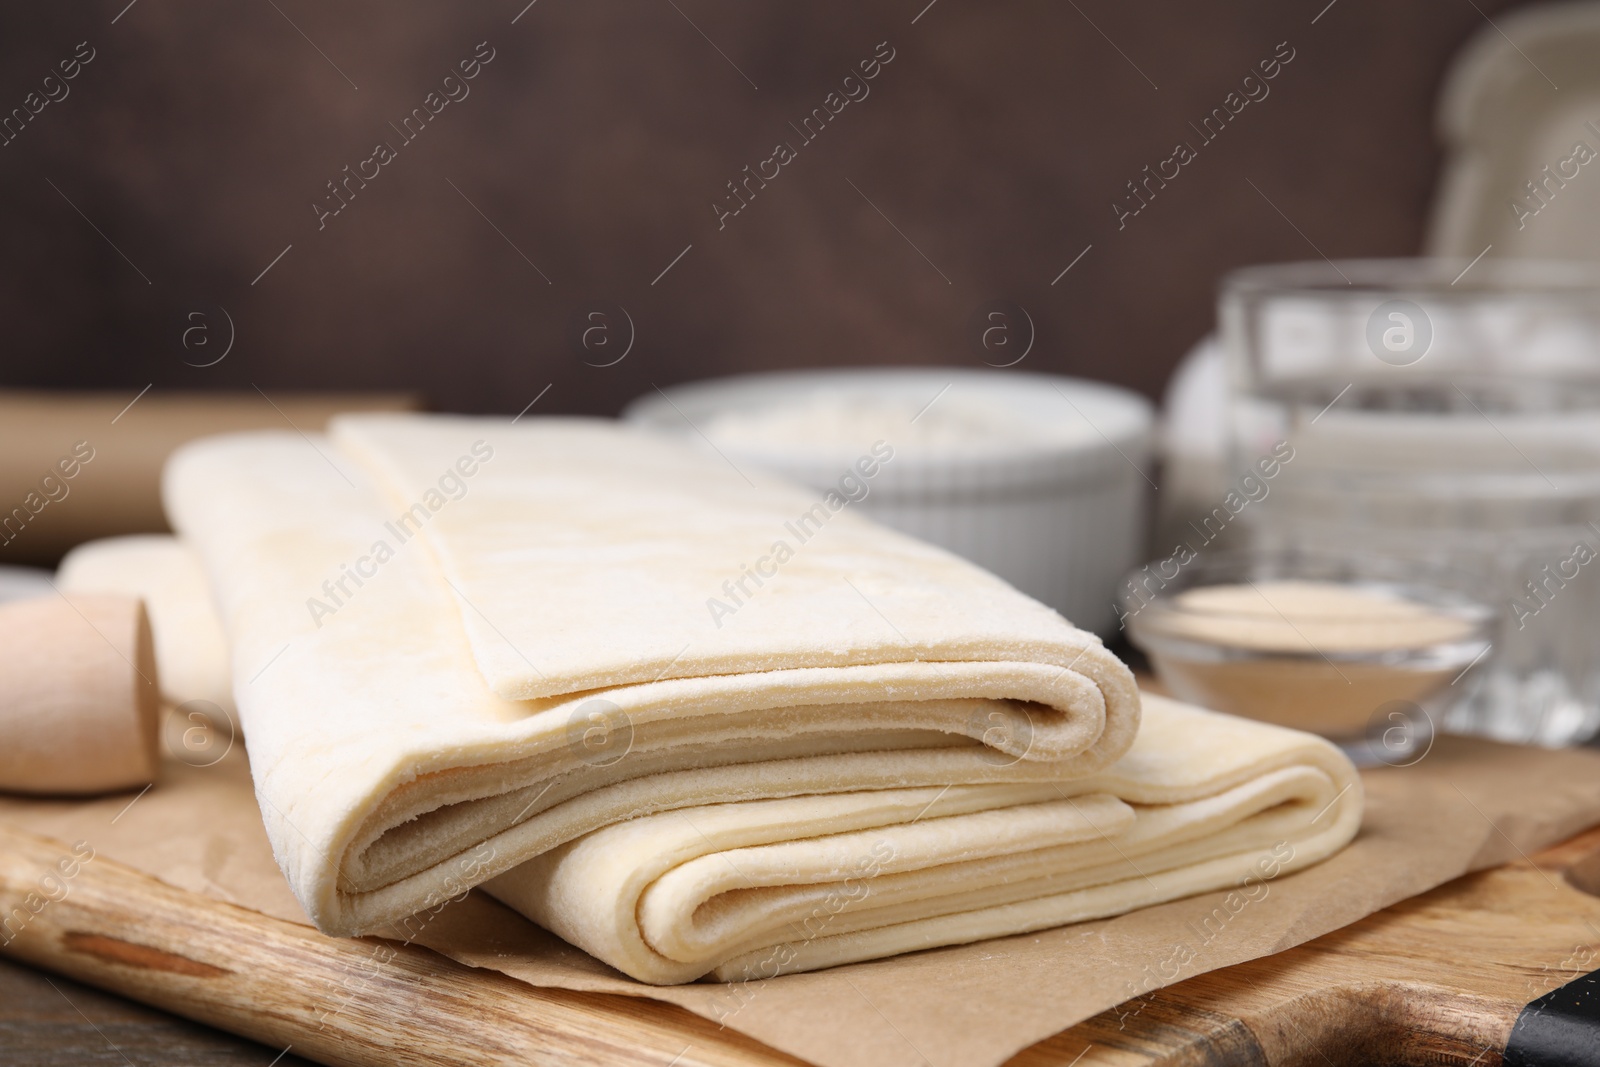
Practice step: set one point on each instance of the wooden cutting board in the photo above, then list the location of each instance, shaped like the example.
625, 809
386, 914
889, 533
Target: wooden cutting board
1439, 979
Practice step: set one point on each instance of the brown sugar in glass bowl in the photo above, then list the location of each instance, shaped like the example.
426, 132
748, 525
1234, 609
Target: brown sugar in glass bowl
1366, 652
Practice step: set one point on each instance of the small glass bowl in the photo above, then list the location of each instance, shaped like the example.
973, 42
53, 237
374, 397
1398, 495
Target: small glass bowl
1368, 652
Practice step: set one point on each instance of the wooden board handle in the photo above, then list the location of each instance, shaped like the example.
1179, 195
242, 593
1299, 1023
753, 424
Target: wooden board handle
358, 1002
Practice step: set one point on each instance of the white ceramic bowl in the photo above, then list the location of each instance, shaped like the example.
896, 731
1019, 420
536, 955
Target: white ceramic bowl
1037, 478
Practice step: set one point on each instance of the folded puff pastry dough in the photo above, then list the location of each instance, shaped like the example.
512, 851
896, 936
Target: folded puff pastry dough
753, 889
763, 887
747, 891
432, 619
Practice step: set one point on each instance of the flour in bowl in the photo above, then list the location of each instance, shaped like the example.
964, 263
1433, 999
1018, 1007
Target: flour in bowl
848, 420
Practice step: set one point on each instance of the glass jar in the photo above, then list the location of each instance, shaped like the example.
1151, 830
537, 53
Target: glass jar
1446, 413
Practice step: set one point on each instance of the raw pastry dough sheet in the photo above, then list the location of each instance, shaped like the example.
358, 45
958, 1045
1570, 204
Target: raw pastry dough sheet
430, 618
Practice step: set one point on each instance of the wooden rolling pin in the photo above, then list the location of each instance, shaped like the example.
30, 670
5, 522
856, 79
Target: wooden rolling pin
75, 466
78, 695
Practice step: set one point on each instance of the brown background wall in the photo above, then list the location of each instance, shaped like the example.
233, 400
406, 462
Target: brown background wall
597, 140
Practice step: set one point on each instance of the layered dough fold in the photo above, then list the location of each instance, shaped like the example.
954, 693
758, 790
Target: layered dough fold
746, 891
458, 645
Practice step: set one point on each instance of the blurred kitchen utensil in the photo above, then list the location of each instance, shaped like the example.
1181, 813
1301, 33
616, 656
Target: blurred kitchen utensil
1521, 173
78, 695
1192, 440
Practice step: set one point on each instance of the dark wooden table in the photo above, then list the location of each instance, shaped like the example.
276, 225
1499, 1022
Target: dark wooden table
49, 1021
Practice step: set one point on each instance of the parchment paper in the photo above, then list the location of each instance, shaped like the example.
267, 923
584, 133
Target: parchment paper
1465, 806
